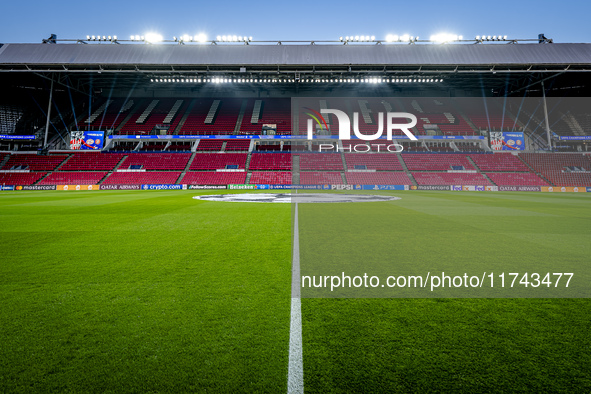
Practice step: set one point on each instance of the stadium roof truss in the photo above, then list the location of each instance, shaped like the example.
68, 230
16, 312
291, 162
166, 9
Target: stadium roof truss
501, 68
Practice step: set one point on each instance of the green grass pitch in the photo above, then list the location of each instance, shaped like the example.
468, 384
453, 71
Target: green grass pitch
137, 291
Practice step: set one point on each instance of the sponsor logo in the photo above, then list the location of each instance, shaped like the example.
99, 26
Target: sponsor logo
162, 187
345, 124
6, 187
479, 188
36, 187
206, 187
492, 188
456, 188
242, 187
120, 187
78, 187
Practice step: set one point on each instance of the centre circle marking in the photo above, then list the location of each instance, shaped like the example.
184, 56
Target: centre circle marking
293, 198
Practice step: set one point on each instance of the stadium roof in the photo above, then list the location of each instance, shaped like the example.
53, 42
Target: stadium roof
294, 55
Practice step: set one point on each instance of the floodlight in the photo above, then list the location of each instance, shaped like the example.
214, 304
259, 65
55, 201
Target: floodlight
504, 37
404, 37
200, 37
373, 38
356, 38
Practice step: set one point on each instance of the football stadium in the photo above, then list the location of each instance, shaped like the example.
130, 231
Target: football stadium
365, 214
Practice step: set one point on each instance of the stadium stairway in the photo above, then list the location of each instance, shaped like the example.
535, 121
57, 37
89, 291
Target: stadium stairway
130, 113
479, 170
240, 117
179, 180
113, 170
403, 164
295, 169
181, 123
223, 149
535, 172
248, 175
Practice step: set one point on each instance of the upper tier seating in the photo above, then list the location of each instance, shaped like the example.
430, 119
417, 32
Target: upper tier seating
499, 162
92, 162
20, 178
377, 161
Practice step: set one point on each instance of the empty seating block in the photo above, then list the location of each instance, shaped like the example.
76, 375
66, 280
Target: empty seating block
385, 161
377, 178
215, 161
237, 145
516, 179
271, 178
141, 178
157, 161
554, 167
214, 178
73, 178
270, 161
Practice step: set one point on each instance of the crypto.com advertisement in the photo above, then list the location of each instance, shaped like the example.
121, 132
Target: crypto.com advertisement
440, 197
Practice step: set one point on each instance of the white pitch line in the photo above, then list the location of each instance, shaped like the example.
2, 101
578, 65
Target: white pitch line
295, 373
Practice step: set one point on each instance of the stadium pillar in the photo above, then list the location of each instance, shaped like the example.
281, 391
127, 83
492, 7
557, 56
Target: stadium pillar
546, 117
48, 114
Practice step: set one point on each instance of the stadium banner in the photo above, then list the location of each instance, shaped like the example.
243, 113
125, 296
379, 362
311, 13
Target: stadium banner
519, 188
77, 187
206, 187
589, 190
120, 187
380, 187
87, 140
510, 141
492, 188
564, 189
456, 188
164, 187
430, 187
7, 188
36, 187
16, 137
575, 137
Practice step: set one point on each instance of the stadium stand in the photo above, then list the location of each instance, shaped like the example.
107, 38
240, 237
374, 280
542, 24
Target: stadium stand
377, 178
321, 161
92, 162
271, 178
436, 162
270, 161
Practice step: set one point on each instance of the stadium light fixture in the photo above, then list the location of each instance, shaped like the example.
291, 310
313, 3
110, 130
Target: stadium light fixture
201, 37
152, 38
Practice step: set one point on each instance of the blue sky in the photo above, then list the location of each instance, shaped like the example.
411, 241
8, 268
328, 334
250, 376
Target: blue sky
31, 21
